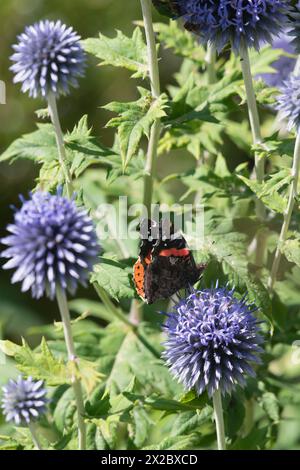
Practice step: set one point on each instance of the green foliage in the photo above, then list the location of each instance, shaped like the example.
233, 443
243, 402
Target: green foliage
270, 192
82, 149
121, 51
135, 120
43, 365
291, 249
178, 39
39, 146
114, 277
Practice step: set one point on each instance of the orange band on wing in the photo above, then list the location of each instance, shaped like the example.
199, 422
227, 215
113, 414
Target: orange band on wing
175, 252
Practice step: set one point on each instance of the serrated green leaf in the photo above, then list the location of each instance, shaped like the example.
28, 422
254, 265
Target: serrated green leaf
109, 431
88, 374
230, 249
114, 277
64, 413
142, 425
189, 421
39, 146
176, 443
120, 51
260, 296
291, 250
85, 149
271, 192
135, 120
42, 364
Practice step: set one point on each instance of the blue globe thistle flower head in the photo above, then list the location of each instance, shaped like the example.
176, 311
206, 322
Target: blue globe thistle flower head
284, 65
212, 339
51, 243
48, 58
24, 400
289, 102
231, 21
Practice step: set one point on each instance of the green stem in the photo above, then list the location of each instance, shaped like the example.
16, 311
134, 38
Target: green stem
76, 384
52, 106
257, 139
135, 312
210, 60
252, 109
35, 439
150, 168
219, 419
288, 213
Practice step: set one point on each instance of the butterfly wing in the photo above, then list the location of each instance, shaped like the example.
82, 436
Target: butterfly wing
166, 275
165, 264
139, 278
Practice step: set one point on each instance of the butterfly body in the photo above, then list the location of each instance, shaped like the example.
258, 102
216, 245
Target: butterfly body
165, 264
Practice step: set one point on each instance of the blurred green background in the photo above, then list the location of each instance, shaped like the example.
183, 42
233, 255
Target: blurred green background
101, 85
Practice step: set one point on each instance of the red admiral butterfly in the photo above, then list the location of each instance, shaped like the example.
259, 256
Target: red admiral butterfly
165, 264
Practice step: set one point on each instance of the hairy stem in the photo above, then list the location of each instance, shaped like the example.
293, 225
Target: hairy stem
136, 314
35, 439
219, 419
76, 384
257, 139
288, 213
150, 168
52, 106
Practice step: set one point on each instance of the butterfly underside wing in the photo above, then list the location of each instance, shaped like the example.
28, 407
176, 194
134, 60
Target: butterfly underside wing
165, 264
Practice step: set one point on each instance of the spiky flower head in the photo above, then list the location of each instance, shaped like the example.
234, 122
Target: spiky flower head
24, 400
48, 58
289, 102
212, 337
222, 21
52, 243
284, 65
